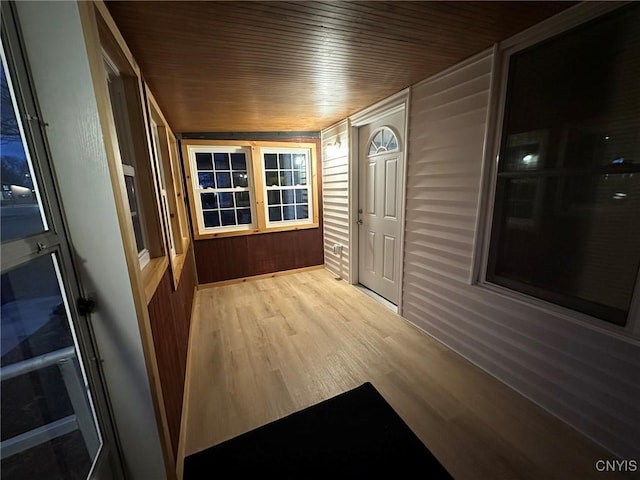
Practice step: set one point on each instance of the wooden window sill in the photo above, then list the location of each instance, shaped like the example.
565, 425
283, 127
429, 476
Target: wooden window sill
152, 274
177, 262
255, 231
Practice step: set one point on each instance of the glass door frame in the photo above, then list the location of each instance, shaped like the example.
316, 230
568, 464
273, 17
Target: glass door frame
54, 241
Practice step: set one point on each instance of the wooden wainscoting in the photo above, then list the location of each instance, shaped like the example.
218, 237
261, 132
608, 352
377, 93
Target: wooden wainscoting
170, 316
246, 256
263, 349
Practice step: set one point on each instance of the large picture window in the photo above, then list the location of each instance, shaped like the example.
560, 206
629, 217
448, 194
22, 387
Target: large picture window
251, 187
566, 224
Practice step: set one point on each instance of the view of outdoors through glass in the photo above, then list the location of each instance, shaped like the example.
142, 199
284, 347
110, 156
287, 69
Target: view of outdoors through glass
47, 422
21, 211
48, 427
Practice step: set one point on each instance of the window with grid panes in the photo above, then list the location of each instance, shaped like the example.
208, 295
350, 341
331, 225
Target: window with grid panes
250, 187
223, 188
287, 185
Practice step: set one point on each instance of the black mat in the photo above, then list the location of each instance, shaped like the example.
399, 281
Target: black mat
355, 434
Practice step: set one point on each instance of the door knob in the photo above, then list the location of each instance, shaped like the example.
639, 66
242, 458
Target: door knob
359, 222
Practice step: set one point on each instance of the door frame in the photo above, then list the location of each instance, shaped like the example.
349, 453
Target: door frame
55, 241
395, 103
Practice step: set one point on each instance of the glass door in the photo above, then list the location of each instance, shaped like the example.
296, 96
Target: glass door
54, 413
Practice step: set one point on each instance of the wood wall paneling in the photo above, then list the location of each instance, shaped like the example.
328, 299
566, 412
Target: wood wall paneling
245, 256
170, 316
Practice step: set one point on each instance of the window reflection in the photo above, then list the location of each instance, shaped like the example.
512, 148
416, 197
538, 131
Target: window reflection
567, 215
43, 386
20, 207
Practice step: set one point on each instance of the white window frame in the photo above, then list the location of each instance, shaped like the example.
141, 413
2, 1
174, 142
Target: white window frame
256, 185
164, 199
114, 81
143, 255
561, 23
195, 184
266, 188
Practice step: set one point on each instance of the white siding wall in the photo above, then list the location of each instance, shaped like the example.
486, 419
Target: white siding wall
587, 377
335, 196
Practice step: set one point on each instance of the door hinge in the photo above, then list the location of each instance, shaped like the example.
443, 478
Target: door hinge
86, 306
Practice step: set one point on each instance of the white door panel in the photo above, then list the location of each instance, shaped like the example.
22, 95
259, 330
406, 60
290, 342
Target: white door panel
388, 272
391, 188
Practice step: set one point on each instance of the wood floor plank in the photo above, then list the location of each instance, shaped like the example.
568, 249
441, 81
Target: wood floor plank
265, 348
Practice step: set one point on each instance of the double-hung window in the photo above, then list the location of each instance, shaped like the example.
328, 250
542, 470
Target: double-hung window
250, 187
566, 219
127, 154
168, 181
288, 190
222, 188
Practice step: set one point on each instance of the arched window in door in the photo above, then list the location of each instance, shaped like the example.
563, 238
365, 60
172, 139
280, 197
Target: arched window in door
384, 140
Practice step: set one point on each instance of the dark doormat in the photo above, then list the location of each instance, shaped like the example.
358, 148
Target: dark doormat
356, 434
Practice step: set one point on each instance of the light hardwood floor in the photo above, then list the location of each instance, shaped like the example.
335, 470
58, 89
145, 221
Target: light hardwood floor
263, 349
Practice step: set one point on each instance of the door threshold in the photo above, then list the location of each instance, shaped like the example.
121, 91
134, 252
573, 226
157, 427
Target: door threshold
377, 297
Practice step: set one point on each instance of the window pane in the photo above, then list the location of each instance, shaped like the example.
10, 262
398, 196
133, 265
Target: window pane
272, 179
225, 200
275, 214
221, 161
613, 146
273, 197
525, 151
240, 179
299, 177
522, 199
567, 216
302, 195
284, 160
244, 216
228, 217
238, 161
580, 239
270, 161
204, 161
286, 178
299, 160
20, 207
211, 218
287, 196
288, 212
206, 180
223, 179
242, 199
209, 200
129, 182
36, 392
302, 212
375, 143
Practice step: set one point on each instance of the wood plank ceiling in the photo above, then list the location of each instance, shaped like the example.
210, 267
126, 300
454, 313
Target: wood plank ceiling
218, 66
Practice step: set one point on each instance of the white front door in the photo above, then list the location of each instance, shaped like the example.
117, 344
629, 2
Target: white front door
381, 160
